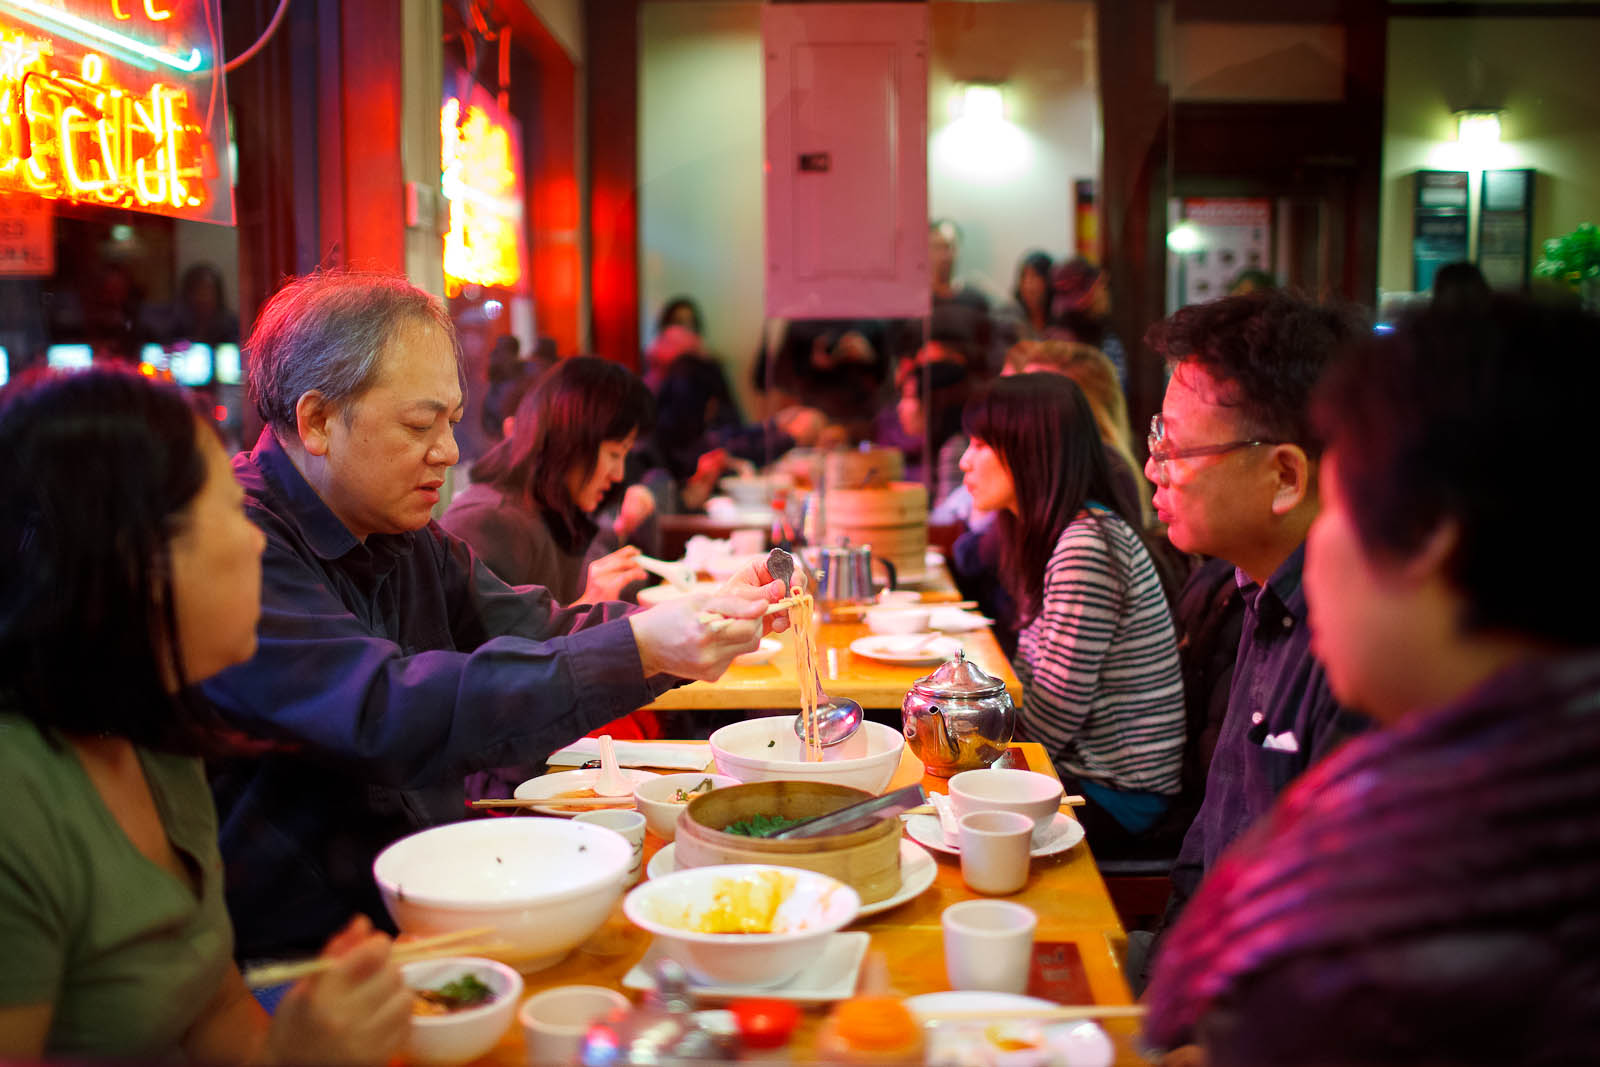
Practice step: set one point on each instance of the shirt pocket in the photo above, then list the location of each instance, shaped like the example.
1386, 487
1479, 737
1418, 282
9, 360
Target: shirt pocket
1271, 765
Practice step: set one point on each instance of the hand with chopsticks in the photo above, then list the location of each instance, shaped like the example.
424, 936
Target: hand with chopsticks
357, 1010
697, 636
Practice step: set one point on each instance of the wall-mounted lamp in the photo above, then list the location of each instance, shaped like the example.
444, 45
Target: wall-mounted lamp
1478, 127
981, 102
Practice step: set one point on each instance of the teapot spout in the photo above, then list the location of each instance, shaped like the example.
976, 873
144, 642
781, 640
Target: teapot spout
947, 743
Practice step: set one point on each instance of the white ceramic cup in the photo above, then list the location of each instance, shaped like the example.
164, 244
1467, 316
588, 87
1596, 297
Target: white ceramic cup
630, 824
747, 542
988, 944
1038, 796
554, 1021
995, 847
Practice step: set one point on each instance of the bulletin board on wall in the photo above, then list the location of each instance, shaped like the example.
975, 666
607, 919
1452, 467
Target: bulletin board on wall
1505, 228
1438, 224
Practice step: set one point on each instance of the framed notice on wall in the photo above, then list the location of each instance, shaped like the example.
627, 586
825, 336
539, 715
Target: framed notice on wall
1505, 228
1231, 235
1438, 224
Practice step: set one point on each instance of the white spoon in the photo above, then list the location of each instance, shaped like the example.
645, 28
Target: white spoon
609, 782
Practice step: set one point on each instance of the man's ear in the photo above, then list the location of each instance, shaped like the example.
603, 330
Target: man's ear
312, 414
1434, 554
1292, 473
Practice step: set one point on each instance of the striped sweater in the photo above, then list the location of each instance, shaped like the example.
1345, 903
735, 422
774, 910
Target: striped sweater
1102, 689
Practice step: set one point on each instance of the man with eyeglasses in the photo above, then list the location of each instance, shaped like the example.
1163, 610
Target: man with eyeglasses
1234, 461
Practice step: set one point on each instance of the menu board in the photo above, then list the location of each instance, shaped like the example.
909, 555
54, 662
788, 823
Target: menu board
1505, 228
1232, 235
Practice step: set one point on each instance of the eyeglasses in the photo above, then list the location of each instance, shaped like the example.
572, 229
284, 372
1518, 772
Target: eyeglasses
1161, 454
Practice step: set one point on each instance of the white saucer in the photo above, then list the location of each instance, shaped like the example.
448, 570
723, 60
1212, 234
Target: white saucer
917, 871
1067, 1044
956, 621
1063, 832
831, 976
548, 785
889, 648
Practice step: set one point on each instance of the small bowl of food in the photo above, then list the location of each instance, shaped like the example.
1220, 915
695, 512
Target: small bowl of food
894, 619
662, 799
763, 654
462, 1006
742, 924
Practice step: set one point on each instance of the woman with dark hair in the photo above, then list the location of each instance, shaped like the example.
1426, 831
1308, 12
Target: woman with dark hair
1427, 893
1102, 690
1028, 317
681, 311
129, 573
527, 513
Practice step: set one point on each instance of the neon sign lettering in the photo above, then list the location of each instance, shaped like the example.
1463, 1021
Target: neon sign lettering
79, 135
482, 184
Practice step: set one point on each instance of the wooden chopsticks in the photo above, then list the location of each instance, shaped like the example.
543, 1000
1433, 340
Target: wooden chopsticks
722, 622
625, 801
456, 943
1063, 1013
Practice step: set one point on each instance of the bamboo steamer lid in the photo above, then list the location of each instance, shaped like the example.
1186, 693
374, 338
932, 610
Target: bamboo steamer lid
866, 860
863, 468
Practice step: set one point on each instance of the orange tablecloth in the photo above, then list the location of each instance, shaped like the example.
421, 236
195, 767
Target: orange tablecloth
1066, 892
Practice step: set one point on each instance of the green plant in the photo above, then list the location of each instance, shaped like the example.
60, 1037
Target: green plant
1572, 257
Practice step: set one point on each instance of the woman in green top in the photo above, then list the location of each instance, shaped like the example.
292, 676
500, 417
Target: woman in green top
128, 572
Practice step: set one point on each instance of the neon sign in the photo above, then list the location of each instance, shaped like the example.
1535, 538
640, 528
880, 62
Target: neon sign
482, 181
115, 102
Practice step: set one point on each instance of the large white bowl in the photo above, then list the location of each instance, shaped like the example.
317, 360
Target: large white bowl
654, 799
461, 1035
543, 885
766, 750
813, 909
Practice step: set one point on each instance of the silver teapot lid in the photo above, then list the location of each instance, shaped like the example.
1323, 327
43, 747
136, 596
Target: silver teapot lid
959, 677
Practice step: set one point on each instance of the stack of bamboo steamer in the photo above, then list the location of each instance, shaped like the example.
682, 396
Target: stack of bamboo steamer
892, 518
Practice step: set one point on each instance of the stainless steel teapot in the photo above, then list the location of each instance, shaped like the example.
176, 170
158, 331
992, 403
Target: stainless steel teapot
844, 575
958, 718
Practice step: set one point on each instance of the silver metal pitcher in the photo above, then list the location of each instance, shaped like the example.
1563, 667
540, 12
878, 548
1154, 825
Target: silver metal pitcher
843, 576
958, 718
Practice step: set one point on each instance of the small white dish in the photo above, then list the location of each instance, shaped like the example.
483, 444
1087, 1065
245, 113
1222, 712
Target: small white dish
917, 872
830, 976
956, 621
900, 598
1063, 832
551, 785
897, 618
1062, 1044
932, 557
907, 649
464, 1035
769, 648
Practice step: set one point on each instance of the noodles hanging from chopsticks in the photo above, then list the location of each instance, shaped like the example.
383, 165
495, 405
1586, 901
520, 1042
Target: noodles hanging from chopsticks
805, 670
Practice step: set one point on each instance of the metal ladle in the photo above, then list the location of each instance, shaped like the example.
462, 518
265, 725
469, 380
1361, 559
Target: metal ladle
837, 718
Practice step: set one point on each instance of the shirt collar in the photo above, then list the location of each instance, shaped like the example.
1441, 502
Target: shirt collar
1283, 595
327, 535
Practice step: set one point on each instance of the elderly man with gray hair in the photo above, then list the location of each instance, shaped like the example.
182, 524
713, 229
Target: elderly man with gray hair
391, 660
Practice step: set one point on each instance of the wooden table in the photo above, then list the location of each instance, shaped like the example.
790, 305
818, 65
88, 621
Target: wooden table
872, 683
1065, 891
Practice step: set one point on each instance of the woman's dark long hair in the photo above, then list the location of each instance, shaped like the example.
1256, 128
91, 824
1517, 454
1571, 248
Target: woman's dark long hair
100, 469
560, 424
1042, 428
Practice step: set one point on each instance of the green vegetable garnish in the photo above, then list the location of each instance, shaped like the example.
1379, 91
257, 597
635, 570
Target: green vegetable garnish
684, 795
759, 825
464, 992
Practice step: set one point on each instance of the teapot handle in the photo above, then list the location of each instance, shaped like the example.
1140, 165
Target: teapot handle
888, 566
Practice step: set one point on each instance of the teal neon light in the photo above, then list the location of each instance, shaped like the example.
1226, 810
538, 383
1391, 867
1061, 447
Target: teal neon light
88, 33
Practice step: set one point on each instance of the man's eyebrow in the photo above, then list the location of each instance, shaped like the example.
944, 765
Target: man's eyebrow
435, 407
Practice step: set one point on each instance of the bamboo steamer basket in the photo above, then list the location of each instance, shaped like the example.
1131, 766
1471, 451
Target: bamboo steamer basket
867, 860
893, 520
863, 468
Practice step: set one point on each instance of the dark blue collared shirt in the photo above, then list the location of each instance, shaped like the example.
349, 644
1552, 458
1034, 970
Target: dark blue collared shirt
386, 671
1281, 718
